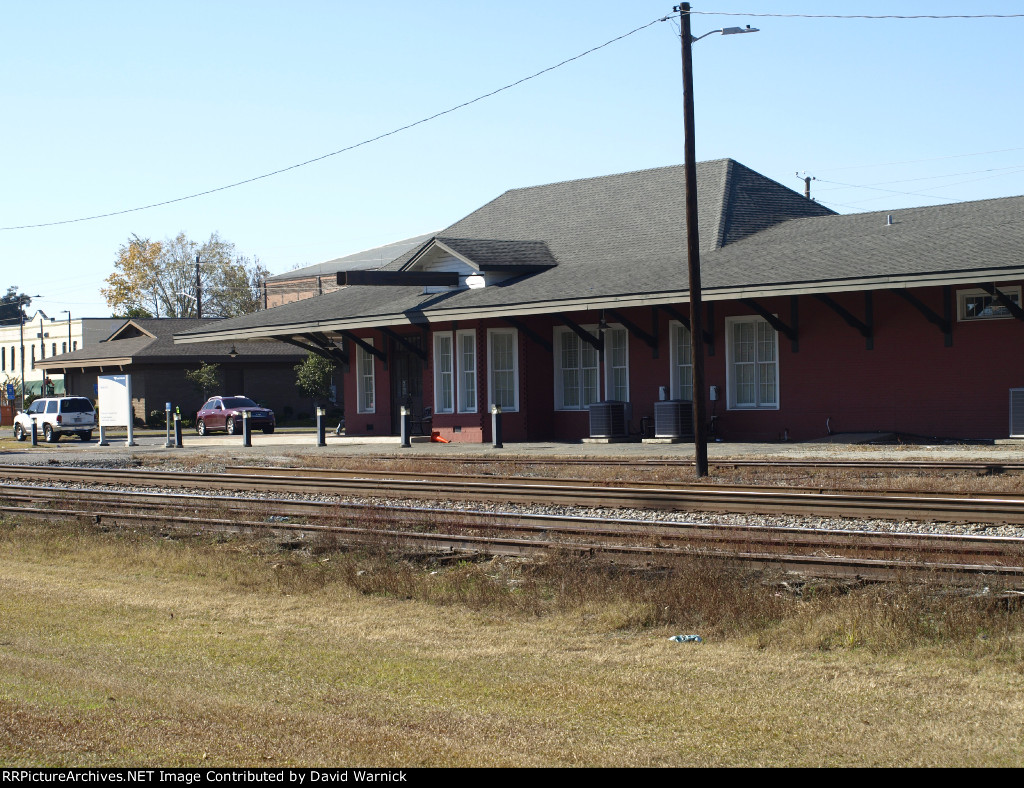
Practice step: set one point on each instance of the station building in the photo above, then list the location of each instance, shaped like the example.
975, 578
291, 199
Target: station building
552, 298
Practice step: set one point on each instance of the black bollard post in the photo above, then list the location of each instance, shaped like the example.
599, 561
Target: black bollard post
35, 433
167, 425
406, 440
496, 427
177, 431
246, 430
321, 427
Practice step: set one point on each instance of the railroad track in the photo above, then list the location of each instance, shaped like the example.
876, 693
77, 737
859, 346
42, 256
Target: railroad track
937, 507
979, 466
844, 554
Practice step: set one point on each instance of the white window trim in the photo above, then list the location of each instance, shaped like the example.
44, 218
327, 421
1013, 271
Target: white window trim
962, 295
730, 396
362, 354
470, 332
559, 393
438, 336
673, 353
608, 364
491, 333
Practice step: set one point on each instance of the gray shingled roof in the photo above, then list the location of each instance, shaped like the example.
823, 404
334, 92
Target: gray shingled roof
620, 239
377, 257
489, 254
162, 348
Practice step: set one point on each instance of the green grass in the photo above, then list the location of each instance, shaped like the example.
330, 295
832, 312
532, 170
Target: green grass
132, 649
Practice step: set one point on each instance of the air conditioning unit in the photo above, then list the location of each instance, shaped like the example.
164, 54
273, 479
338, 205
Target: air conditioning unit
1017, 413
608, 419
673, 418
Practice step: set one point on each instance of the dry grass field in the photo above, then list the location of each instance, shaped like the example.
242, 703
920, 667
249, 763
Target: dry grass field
136, 648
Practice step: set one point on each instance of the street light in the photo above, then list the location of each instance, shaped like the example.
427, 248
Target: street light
700, 435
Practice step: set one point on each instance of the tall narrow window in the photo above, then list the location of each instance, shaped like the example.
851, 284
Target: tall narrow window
576, 371
466, 344
63, 347
503, 379
752, 364
74, 345
366, 402
616, 364
444, 374
682, 362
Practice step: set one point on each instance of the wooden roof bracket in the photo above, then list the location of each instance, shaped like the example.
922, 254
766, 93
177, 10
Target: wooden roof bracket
414, 349
322, 341
596, 342
651, 340
530, 334
709, 333
944, 324
865, 327
772, 320
1004, 300
309, 347
377, 353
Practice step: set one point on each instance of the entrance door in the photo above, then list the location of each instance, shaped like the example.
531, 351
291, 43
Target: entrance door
406, 380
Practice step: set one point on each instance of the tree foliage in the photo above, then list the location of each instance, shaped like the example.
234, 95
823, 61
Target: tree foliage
206, 379
313, 377
158, 278
11, 304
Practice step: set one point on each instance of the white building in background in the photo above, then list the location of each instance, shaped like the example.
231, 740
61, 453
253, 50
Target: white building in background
45, 337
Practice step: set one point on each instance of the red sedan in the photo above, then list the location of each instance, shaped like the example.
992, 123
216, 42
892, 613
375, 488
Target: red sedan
225, 413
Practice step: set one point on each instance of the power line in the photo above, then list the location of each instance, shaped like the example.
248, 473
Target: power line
1015, 167
345, 149
920, 161
861, 16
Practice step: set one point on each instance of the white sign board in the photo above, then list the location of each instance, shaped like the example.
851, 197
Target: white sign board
115, 400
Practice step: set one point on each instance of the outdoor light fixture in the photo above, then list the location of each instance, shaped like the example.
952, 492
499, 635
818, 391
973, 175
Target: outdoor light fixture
233, 353
602, 326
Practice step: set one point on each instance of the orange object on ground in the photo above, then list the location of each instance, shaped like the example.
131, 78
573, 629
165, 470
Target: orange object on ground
435, 437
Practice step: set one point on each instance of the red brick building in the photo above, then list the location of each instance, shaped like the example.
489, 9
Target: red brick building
575, 293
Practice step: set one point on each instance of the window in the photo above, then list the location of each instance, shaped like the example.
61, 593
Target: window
444, 374
752, 363
466, 366
681, 352
365, 402
74, 345
503, 363
63, 347
616, 364
576, 371
53, 348
979, 305
455, 371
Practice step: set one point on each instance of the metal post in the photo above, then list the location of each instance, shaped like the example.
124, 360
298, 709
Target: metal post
21, 311
131, 413
103, 436
167, 424
35, 432
406, 442
246, 430
321, 427
199, 291
496, 427
700, 437
177, 431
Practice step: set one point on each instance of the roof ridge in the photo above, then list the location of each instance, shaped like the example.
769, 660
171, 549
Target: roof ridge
612, 175
725, 213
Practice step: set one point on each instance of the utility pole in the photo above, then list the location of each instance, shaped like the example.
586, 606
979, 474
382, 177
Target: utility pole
700, 436
199, 290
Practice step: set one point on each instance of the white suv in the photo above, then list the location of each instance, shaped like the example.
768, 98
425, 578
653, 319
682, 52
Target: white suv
56, 416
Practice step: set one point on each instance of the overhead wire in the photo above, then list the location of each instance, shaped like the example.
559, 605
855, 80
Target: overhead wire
345, 149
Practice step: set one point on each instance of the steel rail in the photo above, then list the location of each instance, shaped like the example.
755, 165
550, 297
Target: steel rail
458, 478
936, 507
57, 501
815, 565
989, 466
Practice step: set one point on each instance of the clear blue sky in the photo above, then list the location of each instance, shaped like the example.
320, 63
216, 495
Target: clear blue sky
112, 105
